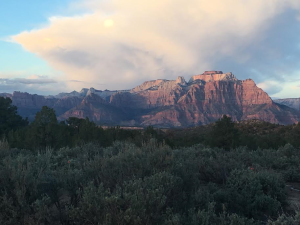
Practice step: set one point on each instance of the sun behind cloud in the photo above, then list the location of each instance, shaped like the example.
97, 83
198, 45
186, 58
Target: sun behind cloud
109, 23
48, 39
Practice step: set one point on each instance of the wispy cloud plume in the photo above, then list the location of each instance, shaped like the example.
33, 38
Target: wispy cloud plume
33, 84
41, 81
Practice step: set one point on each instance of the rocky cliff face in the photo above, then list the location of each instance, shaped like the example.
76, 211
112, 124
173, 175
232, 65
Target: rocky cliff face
150, 94
204, 99
169, 103
96, 108
27, 100
62, 105
28, 105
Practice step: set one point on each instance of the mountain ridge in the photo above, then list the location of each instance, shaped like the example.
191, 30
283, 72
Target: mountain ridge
165, 103
290, 102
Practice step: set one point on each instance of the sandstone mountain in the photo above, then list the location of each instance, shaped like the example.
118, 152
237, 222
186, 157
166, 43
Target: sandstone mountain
166, 103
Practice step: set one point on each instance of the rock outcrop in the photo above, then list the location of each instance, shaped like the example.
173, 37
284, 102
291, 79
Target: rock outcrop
209, 76
167, 103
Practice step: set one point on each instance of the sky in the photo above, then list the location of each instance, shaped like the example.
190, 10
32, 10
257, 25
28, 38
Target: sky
47, 47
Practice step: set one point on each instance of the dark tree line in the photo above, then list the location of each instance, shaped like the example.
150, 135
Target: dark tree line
227, 134
46, 131
9, 119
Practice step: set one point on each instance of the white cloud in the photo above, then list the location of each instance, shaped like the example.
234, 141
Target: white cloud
271, 86
121, 43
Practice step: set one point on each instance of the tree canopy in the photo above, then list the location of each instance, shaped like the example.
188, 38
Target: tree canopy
224, 134
9, 119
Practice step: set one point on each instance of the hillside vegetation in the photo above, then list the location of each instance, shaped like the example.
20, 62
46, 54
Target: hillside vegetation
74, 172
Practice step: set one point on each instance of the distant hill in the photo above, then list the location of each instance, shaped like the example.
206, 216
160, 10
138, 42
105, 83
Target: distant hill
290, 102
7, 95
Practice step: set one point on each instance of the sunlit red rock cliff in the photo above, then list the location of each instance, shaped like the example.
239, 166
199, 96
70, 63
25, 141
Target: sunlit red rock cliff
166, 103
